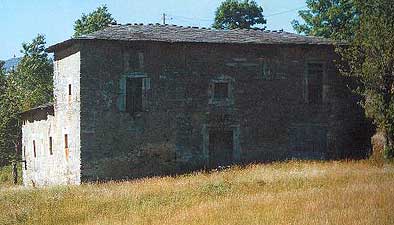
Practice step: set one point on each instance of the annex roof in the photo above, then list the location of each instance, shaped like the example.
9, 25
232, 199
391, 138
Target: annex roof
47, 106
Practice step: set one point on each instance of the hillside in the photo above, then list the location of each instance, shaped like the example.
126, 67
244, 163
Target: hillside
11, 63
280, 193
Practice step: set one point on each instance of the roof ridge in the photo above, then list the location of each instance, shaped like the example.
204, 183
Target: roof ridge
281, 31
203, 28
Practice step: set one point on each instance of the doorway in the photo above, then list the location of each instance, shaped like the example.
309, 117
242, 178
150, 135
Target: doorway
221, 147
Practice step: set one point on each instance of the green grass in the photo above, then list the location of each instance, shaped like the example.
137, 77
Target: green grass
357, 192
6, 179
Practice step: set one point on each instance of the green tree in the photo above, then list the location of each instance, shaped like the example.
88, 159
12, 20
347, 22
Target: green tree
2, 78
238, 14
94, 21
29, 85
34, 74
336, 19
9, 121
370, 59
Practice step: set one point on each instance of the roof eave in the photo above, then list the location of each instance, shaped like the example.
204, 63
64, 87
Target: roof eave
46, 106
72, 41
62, 44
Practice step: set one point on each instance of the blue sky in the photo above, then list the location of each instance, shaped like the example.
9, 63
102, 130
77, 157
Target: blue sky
22, 20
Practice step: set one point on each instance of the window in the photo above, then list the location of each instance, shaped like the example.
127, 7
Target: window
134, 61
133, 92
271, 69
34, 148
266, 73
134, 95
24, 157
69, 89
66, 141
315, 83
220, 91
50, 146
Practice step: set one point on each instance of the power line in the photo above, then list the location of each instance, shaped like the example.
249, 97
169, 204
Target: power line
287, 11
186, 19
189, 18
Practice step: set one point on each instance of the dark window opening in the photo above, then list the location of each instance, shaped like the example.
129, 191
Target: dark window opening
50, 146
69, 89
220, 90
315, 83
65, 141
24, 156
34, 148
134, 95
136, 61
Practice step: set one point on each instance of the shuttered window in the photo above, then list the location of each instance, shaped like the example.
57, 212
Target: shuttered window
133, 93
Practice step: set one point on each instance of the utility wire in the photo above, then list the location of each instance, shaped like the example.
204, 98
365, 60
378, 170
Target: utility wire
186, 19
189, 18
287, 11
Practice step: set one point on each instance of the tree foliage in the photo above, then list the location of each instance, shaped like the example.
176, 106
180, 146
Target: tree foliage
336, 19
2, 78
29, 85
94, 21
238, 14
370, 59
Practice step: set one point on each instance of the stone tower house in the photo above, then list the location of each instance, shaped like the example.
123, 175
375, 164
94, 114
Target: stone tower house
144, 100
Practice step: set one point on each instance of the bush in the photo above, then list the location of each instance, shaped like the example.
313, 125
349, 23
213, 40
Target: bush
388, 152
6, 178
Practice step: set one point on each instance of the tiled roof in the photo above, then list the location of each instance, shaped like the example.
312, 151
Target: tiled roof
176, 34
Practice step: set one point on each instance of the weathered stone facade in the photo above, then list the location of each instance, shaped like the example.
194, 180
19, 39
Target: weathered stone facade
44, 131
144, 108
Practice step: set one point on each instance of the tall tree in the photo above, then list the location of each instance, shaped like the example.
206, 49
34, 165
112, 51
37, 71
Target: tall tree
238, 14
370, 59
34, 74
94, 21
336, 19
29, 85
2, 78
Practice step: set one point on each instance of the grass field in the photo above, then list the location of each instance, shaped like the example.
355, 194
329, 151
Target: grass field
6, 179
358, 192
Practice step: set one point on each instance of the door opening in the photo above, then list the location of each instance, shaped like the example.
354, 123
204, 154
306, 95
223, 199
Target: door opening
220, 148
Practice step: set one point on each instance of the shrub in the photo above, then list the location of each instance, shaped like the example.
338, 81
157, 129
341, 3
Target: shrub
388, 152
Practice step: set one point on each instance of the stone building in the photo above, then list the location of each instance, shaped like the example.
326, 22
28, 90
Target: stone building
143, 100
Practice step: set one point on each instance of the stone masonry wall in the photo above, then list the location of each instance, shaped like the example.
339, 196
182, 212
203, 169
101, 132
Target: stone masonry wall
63, 165
266, 112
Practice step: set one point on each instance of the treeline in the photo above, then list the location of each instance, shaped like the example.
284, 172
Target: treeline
367, 26
29, 85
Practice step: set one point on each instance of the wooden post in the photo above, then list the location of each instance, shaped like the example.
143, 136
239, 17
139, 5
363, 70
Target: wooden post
15, 172
15, 164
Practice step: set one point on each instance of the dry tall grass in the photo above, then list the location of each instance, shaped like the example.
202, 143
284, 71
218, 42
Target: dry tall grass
280, 193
